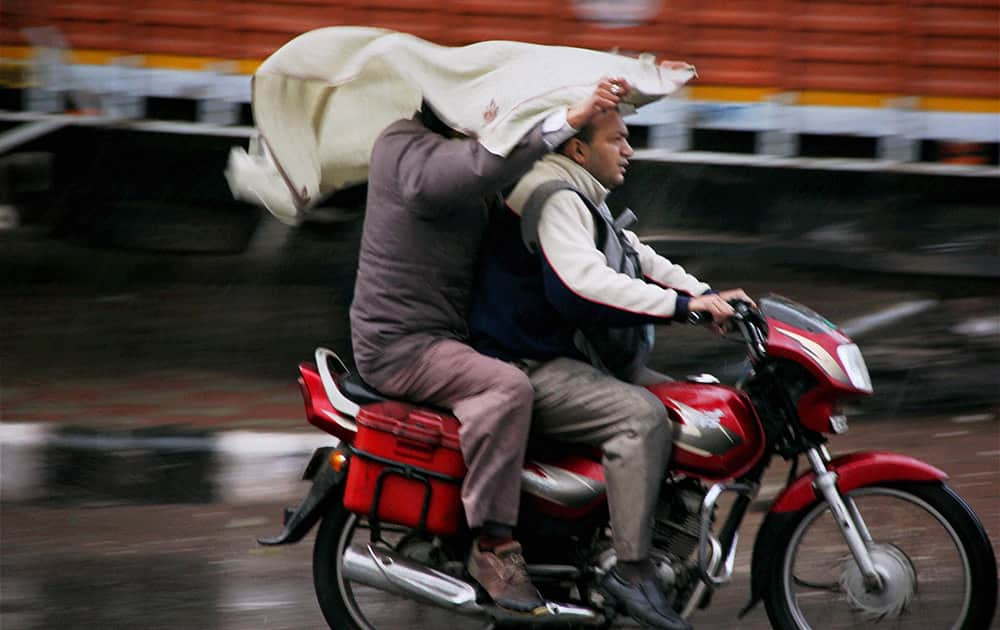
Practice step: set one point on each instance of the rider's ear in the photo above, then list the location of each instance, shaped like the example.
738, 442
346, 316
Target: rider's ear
576, 150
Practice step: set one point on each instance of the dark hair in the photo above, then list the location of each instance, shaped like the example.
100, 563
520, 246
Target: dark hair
430, 120
585, 135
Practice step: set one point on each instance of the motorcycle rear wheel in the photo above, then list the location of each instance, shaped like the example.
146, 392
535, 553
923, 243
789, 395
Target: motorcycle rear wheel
352, 606
928, 546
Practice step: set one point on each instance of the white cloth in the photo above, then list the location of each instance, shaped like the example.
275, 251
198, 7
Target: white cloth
322, 99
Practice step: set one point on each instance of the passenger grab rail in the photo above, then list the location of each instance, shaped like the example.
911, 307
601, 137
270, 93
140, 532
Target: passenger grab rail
344, 405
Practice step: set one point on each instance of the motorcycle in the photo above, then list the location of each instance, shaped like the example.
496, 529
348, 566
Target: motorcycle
855, 540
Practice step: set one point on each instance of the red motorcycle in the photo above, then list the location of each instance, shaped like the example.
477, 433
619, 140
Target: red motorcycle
856, 540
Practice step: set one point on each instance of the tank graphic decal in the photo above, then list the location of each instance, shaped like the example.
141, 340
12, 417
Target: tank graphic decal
559, 485
702, 432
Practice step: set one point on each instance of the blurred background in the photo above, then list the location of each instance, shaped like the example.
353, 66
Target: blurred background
842, 153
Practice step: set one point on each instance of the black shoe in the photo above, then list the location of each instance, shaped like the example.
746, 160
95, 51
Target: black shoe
643, 601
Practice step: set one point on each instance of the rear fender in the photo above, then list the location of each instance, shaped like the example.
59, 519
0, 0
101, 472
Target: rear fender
325, 489
855, 470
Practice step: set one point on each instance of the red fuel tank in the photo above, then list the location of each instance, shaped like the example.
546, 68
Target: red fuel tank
717, 433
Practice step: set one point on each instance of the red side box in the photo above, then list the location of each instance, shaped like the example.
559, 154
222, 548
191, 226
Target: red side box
412, 443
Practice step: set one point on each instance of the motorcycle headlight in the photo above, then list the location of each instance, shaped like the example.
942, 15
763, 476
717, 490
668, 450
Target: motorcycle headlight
854, 365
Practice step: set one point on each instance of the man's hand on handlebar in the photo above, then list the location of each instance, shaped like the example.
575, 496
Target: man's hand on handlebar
717, 307
737, 294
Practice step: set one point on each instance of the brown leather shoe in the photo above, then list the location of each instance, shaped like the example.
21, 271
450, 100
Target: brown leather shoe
501, 571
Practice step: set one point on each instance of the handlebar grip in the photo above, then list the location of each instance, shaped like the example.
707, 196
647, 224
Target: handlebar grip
699, 318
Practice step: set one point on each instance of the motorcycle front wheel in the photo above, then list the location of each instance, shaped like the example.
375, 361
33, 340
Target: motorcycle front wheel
935, 560
348, 605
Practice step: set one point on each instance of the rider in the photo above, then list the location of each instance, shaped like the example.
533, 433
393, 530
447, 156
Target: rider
429, 195
530, 306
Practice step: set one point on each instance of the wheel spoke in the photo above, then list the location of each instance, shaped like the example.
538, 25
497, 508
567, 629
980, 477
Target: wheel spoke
833, 587
913, 543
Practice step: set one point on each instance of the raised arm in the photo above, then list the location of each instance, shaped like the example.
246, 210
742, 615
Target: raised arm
438, 173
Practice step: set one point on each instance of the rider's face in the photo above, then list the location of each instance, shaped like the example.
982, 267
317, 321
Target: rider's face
606, 155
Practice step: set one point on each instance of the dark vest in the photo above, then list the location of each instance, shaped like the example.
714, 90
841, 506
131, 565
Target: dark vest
618, 350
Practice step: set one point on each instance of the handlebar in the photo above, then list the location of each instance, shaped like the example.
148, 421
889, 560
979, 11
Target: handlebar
701, 318
746, 319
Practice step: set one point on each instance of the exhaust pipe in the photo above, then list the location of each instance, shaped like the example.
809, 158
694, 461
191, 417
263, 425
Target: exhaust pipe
386, 570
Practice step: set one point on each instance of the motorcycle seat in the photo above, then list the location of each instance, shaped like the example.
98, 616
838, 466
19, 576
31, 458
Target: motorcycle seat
355, 388
359, 391
543, 449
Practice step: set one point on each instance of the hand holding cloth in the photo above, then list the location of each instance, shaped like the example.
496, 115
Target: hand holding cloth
321, 100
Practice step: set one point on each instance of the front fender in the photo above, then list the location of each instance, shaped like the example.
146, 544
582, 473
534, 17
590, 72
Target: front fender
854, 470
326, 482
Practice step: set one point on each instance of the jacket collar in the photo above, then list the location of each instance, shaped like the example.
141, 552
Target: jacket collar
556, 166
575, 174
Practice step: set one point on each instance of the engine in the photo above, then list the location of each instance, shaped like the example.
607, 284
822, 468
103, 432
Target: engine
678, 517
675, 531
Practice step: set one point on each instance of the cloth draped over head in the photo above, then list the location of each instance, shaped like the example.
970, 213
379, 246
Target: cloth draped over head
322, 99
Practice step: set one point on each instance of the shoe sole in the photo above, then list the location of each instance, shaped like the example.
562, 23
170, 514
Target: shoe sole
620, 607
484, 598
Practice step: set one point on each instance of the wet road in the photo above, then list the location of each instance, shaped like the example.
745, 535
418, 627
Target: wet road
102, 560
197, 566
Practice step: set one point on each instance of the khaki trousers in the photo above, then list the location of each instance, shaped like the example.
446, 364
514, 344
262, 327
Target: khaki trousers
492, 400
575, 402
